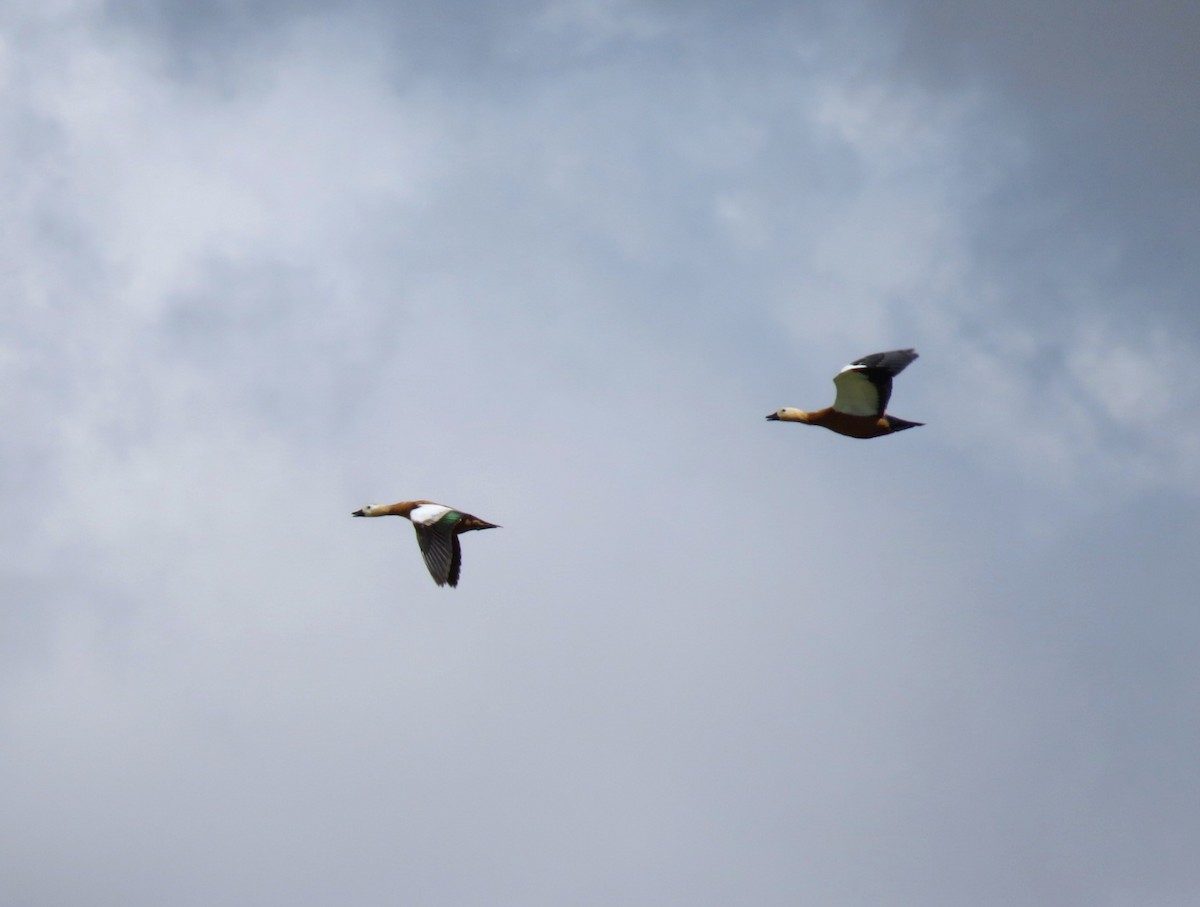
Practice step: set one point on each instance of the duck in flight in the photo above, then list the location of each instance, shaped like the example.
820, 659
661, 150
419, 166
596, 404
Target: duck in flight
438, 528
863, 389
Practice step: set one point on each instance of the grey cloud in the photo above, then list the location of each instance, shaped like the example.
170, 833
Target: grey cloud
1107, 94
708, 659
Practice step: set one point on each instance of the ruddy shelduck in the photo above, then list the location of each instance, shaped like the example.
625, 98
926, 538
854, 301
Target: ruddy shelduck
863, 389
438, 528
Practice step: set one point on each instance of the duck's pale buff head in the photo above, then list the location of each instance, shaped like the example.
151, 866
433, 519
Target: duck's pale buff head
788, 414
369, 510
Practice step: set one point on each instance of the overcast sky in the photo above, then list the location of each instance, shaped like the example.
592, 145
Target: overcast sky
552, 263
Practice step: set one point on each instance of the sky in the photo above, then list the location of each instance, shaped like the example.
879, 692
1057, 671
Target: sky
552, 263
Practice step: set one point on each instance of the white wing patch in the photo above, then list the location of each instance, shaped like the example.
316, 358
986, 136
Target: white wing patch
856, 395
428, 514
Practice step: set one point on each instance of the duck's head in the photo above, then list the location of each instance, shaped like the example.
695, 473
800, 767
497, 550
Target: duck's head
788, 414
369, 510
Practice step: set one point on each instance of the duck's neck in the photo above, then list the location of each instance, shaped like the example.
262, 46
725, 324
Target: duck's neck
404, 508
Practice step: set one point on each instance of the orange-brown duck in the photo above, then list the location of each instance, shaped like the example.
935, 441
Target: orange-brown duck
863, 389
438, 528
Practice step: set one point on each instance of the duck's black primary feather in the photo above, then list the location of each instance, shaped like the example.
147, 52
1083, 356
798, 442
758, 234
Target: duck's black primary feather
440, 548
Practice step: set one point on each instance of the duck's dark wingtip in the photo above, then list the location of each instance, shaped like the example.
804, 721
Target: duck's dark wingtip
893, 362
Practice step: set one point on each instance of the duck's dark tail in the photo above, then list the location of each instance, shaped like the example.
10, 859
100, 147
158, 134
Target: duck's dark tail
900, 424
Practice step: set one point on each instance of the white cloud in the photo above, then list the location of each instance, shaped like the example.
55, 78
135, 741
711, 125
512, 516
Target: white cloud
166, 176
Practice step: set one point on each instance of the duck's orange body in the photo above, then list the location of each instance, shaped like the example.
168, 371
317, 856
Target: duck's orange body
853, 426
863, 390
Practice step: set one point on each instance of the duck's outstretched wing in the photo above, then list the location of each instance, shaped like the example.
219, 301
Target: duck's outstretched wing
442, 553
865, 385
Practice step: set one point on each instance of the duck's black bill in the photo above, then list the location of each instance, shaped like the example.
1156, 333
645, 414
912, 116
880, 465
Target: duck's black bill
774, 417
358, 513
